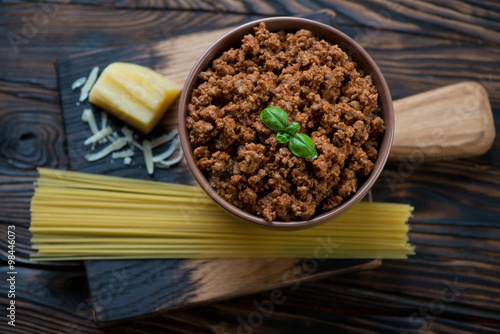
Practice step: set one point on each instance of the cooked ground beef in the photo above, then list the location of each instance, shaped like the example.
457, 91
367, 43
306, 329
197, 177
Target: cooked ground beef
318, 86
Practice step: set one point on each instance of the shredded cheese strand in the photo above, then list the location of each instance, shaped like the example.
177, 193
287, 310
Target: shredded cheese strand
84, 93
114, 146
171, 149
88, 117
78, 83
148, 156
98, 136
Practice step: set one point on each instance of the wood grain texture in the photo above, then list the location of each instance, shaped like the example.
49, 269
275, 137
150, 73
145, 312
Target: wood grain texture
468, 19
450, 194
447, 123
444, 19
246, 7
76, 28
122, 290
63, 307
419, 46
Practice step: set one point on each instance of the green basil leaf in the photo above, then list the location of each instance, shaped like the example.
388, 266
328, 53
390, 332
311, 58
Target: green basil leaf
274, 118
292, 128
282, 137
302, 145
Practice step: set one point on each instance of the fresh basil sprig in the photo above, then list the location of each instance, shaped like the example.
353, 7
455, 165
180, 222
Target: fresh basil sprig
299, 144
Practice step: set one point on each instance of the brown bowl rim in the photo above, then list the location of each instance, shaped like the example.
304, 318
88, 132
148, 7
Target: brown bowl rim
330, 34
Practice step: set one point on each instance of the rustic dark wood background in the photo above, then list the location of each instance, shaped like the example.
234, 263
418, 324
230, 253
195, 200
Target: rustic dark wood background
451, 285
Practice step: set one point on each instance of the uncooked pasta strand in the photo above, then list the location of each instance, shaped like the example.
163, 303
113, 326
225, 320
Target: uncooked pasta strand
79, 216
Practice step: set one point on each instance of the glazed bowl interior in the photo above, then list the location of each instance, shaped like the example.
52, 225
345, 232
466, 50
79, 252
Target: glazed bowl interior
322, 31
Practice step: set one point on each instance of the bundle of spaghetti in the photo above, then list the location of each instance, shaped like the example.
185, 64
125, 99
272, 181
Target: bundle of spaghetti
81, 216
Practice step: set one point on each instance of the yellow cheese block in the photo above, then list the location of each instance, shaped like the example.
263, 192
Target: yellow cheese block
137, 95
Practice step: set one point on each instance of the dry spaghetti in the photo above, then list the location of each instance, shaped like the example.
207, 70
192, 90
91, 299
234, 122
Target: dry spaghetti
80, 216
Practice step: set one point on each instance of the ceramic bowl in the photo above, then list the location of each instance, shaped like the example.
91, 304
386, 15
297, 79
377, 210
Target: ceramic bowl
329, 34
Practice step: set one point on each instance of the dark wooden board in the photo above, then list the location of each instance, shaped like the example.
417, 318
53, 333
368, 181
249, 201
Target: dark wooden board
121, 290
159, 285
72, 68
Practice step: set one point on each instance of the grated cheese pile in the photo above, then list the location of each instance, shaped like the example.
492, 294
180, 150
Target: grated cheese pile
105, 141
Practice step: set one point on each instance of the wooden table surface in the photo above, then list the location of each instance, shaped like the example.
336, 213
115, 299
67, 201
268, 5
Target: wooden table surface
452, 285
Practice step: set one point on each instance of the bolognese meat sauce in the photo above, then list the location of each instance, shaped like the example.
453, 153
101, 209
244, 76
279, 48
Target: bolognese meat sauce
318, 86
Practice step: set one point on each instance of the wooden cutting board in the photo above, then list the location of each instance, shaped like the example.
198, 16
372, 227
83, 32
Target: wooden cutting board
451, 122
121, 290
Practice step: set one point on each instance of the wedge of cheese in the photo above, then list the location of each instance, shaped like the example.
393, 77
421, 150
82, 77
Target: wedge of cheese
137, 95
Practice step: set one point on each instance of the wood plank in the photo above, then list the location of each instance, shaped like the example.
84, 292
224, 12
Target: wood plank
30, 130
96, 27
476, 287
461, 20
28, 55
52, 301
247, 7
144, 288
444, 193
